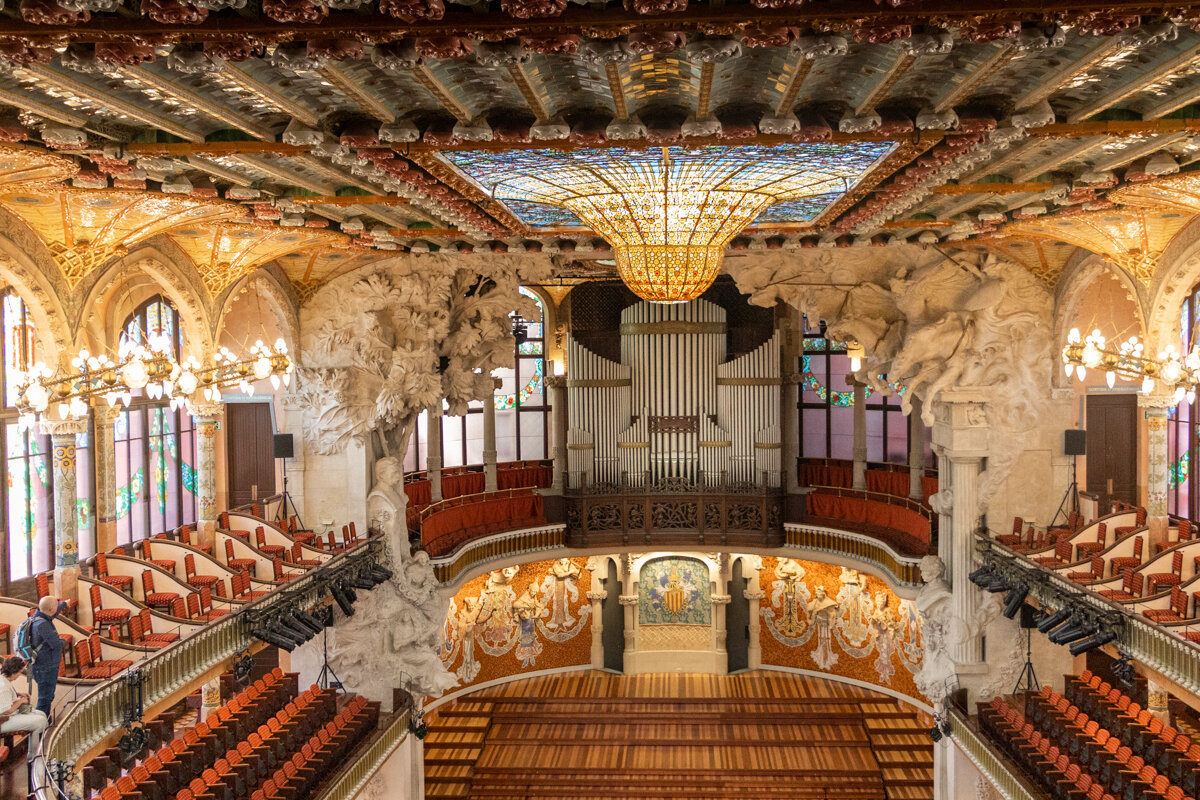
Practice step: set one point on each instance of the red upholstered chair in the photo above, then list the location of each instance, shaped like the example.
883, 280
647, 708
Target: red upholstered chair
185, 536
123, 583
1140, 522
42, 583
237, 564
107, 616
241, 587
195, 580
282, 575
1088, 549
299, 560
1095, 573
167, 564
1176, 612
1062, 553
1135, 560
1131, 587
151, 637
1185, 535
298, 533
206, 606
154, 599
272, 550
92, 667
1160, 580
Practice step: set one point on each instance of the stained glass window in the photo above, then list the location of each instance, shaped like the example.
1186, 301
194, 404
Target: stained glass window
522, 410
155, 445
1183, 433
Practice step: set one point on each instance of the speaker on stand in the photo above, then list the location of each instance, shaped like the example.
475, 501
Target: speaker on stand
284, 449
1074, 445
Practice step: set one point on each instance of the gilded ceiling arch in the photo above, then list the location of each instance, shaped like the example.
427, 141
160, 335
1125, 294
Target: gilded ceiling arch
279, 301
1178, 275
1080, 274
42, 302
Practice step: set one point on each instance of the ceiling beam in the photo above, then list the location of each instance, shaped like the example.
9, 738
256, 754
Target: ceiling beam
214, 149
217, 171
286, 176
620, 107
351, 200
1119, 128
202, 104
525, 86
787, 100
964, 88
268, 95
704, 90
1104, 47
992, 188
1047, 164
1138, 151
444, 96
358, 92
41, 109
887, 79
1138, 84
98, 96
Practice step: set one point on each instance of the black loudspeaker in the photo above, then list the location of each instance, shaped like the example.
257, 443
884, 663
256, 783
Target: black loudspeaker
283, 445
1075, 442
1029, 616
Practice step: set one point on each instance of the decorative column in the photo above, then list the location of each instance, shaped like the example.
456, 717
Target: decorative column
104, 453
489, 439
66, 512
755, 596
916, 451
208, 421
1156, 406
789, 402
433, 448
942, 504
1156, 700
558, 411
860, 435
961, 431
629, 606
211, 698
596, 598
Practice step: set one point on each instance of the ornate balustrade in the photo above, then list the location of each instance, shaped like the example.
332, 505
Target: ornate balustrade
906, 570
502, 547
881, 476
964, 732
706, 510
907, 524
91, 724
350, 782
1158, 647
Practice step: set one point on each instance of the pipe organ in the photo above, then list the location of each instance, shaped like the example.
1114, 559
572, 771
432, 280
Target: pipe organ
674, 408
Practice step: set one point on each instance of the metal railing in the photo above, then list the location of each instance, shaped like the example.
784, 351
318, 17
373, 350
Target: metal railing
366, 764
906, 570
99, 714
1157, 647
984, 756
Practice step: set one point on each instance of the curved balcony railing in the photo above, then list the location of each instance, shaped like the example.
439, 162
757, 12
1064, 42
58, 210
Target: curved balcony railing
351, 781
906, 570
985, 757
446, 525
498, 548
908, 525
89, 725
881, 476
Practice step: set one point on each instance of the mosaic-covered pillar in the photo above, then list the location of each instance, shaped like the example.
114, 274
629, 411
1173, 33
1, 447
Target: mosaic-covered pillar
208, 421
66, 511
433, 451
558, 411
489, 441
1156, 406
211, 698
789, 403
860, 435
597, 599
916, 452
105, 454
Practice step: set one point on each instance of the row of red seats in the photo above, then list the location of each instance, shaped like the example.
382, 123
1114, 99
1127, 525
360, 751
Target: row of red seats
187, 755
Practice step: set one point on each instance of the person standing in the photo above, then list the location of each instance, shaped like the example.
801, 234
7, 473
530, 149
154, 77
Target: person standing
15, 714
48, 648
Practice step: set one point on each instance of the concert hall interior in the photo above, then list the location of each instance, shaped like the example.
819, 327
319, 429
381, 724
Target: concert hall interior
599, 399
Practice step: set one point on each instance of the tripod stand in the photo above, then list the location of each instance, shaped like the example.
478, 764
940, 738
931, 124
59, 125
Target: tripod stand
323, 679
1068, 506
1027, 676
282, 514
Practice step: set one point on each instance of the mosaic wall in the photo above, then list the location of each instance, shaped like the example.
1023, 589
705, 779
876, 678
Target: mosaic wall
519, 619
827, 618
674, 591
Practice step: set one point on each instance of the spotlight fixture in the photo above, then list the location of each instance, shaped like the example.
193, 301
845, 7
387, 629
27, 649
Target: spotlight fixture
998, 584
1092, 642
133, 741
264, 634
243, 666
341, 595
935, 733
982, 576
1014, 599
381, 574
1051, 621
294, 627
309, 621
1075, 629
362, 581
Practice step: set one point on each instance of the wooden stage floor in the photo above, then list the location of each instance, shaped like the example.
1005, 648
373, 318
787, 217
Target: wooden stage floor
599, 736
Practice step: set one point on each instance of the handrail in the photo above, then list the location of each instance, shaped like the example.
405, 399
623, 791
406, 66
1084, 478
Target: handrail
985, 758
423, 474
1155, 646
905, 569
865, 494
465, 499
99, 714
886, 466
500, 546
350, 782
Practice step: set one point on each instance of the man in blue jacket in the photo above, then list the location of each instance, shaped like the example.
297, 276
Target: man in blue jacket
49, 647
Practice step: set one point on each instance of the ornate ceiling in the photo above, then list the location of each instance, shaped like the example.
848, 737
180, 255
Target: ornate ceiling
355, 127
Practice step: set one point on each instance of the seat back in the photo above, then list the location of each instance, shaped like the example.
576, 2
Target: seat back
147, 581
260, 536
1137, 547
42, 581
1177, 562
97, 603
189, 565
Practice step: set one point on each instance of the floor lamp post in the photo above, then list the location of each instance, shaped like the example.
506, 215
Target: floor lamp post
284, 450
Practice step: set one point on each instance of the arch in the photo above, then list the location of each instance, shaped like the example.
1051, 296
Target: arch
1179, 271
42, 302
1079, 276
280, 301
128, 281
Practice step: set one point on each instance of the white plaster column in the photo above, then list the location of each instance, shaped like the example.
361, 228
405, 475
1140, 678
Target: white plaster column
104, 457
1156, 406
629, 606
961, 431
208, 418
597, 598
558, 411
789, 401
489, 441
433, 451
211, 698
66, 513
755, 596
860, 435
916, 451
945, 490
943, 770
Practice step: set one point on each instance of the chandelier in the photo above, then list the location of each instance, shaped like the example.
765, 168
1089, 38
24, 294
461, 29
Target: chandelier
46, 393
1129, 361
670, 212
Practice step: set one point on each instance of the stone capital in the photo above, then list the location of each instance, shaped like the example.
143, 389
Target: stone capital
555, 381
721, 599
1156, 403
597, 596
629, 600
209, 411
63, 427
754, 594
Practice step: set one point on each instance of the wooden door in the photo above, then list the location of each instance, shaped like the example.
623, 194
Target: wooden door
737, 621
251, 456
613, 615
1112, 447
